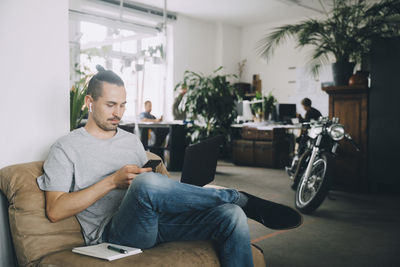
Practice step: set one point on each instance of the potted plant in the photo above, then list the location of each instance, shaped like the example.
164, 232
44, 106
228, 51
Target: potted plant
263, 109
345, 34
242, 87
77, 97
257, 108
176, 111
208, 101
269, 102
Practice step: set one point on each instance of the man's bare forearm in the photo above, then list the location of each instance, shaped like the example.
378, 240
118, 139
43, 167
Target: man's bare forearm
61, 205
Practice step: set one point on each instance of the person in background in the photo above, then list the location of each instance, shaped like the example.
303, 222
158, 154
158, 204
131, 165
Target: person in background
146, 116
311, 113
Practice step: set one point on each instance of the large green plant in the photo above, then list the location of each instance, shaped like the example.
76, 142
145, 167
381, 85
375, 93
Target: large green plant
209, 102
77, 97
345, 33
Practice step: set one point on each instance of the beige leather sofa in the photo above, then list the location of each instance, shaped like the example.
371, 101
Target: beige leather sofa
38, 242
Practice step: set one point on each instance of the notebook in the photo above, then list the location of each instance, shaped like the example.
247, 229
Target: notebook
101, 251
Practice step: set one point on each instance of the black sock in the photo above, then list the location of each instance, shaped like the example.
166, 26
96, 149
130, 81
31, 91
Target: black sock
242, 201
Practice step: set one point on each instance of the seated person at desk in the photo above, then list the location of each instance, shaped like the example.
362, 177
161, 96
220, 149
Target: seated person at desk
311, 113
146, 116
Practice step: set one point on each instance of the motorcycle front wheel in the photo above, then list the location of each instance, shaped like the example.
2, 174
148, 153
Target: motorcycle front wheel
300, 169
311, 192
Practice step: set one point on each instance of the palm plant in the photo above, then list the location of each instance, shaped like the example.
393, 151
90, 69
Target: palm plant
346, 32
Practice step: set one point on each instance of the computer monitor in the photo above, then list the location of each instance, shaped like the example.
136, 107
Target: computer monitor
239, 108
285, 112
244, 111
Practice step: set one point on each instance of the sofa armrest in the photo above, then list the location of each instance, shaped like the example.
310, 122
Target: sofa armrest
160, 168
7, 254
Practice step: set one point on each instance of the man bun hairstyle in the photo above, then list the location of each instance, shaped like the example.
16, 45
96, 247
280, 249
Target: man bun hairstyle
95, 86
306, 102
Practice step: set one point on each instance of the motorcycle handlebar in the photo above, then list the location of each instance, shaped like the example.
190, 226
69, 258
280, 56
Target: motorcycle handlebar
348, 137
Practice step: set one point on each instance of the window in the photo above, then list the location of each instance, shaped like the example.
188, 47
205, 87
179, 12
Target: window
136, 55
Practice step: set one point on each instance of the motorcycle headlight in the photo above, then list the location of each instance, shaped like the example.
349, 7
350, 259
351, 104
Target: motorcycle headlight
336, 131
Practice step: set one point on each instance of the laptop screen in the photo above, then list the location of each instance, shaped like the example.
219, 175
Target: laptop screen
200, 161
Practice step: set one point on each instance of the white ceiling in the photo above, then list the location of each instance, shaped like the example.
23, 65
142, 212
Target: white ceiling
240, 12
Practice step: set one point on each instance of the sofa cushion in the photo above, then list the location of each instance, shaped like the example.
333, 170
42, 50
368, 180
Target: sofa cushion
34, 236
176, 254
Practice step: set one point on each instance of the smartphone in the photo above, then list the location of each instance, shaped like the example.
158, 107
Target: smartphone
152, 163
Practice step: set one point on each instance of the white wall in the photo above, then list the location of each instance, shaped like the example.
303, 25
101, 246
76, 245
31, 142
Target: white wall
228, 48
288, 85
34, 75
194, 46
202, 46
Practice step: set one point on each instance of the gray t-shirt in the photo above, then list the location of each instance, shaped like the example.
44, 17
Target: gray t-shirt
79, 160
146, 115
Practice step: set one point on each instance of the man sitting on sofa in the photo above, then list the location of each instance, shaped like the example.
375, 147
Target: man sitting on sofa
95, 173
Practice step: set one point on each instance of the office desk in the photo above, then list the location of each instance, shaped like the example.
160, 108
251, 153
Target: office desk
262, 144
170, 142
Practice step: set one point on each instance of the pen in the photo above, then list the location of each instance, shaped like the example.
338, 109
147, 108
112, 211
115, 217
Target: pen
120, 250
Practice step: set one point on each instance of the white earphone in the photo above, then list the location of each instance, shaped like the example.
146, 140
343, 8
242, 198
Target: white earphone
90, 107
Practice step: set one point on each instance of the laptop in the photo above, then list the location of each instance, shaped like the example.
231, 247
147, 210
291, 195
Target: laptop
200, 161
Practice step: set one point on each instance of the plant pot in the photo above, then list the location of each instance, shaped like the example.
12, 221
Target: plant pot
266, 116
341, 72
360, 78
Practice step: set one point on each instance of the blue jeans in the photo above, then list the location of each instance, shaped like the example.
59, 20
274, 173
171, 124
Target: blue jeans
157, 209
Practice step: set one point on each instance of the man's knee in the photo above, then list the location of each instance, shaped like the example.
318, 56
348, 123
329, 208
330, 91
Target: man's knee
233, 223
234, 215
145, 183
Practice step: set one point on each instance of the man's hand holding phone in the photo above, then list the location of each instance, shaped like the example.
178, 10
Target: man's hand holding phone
124, 176
152, 163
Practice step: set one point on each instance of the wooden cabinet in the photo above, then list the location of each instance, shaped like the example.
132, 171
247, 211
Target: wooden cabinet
243, 152
265, 154
262, 148
350, 105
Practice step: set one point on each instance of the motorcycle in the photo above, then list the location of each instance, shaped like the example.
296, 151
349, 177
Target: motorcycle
312, 167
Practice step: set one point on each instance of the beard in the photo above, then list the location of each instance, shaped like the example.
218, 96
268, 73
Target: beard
106, 125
